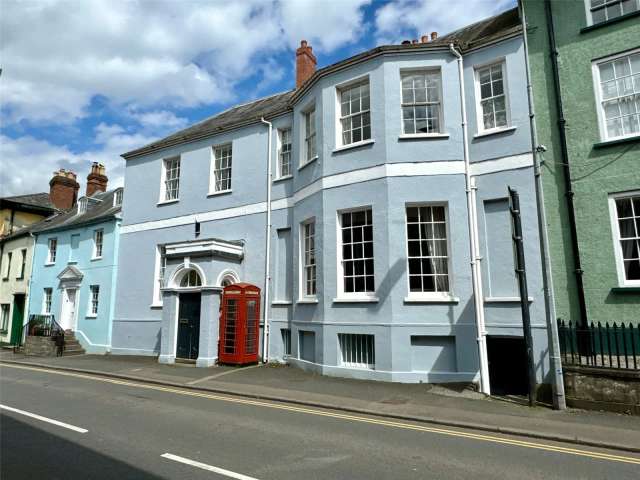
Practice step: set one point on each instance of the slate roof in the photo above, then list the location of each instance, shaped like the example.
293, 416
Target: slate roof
96, 212
33, 201
472, 36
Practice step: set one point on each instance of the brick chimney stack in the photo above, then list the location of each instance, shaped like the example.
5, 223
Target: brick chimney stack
63, 189
96, 180
305, 63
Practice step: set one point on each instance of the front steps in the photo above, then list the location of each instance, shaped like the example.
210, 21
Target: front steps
46, 346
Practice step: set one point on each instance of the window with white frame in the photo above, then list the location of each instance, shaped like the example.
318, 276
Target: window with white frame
492, 98
356, 263
286, 341
94, 292
355, 115
97, 242
190, 279
619, 96
603, 10
23, 263
53, 249
222, 168
8, 269
427, 251
310, 149
46, 301
171, 178
284, 153
161, 267
83, 204
4, 317
117, 197
627, 219
308, 257
357, 350
421, 102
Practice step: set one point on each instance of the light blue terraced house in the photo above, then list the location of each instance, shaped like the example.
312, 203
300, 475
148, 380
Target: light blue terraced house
356, 202
74, 268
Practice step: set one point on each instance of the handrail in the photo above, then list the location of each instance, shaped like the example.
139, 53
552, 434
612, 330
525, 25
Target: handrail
43, 325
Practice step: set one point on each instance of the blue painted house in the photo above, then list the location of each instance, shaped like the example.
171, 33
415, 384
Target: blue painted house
356, 202
75, 265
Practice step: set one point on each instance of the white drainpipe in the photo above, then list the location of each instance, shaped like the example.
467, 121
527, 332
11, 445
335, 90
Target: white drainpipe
474, 249
267, 261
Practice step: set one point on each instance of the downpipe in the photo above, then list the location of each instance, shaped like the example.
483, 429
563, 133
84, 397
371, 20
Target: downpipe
474, 250
267, 261
557, 382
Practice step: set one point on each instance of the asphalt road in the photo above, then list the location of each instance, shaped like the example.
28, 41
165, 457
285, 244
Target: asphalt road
114, 429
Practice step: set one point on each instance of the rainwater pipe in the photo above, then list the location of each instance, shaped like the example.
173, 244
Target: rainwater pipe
557, 382
474, 250
267, 261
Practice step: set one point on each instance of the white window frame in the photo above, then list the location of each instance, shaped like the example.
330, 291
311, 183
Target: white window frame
52, 252
5, 311
163, 180
595, 67
424, 71
341, 294
117, 197
309, 112
159, 275
215, 171
302, 283
281, 153
7, 271
94, 301
357, 342
47, 300
98, 246
23, 264
429, 295
478, 97
589, 14
615, 232
339, 129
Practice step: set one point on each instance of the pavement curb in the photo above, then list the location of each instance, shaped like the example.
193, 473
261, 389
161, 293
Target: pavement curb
362, 411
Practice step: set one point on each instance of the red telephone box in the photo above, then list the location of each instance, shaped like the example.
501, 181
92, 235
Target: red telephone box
239, 324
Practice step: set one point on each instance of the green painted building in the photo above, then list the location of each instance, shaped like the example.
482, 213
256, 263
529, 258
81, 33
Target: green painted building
595, 162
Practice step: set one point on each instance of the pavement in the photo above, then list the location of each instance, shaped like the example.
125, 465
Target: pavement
423, 403
65, 425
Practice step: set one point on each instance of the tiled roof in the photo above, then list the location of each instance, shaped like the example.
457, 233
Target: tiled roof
33, 200
96, 211
472, 36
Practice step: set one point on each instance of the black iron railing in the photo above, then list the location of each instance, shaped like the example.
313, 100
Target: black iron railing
605, 346
43, 326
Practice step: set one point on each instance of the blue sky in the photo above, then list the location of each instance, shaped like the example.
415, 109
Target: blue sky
88, 80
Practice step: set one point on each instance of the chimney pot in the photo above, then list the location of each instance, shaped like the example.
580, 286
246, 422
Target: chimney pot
414, 41
63, 189
305, 63
424, 38
96, 180
406, 42
434, 35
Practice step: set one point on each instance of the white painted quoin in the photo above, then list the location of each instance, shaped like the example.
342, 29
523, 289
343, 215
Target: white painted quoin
392, 296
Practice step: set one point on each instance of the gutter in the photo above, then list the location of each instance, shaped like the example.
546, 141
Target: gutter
557, 384
474, 250
267, 270
568, 186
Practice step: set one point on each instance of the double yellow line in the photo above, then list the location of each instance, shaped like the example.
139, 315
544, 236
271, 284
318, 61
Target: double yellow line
352, 418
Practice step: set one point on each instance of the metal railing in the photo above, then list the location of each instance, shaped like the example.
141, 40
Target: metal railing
614, 346
43, 326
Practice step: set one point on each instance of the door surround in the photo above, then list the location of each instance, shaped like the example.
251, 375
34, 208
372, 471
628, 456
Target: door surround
63, 309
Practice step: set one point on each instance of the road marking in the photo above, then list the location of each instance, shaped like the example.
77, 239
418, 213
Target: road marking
352, 418
222, 374
44, 419
204, 466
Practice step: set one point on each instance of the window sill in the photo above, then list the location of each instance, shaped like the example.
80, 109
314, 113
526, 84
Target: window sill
307, 300
49, 264
221, 192
495, 131
93, 259
356, 300
72, 262
19, 279
423, 136
616, 141
281, 179
628, 289
281, 303
433, 299
91, 316
5, 279
4, 332
156, 305
609, 22
168, 202
505, 299
354, 145
308, 162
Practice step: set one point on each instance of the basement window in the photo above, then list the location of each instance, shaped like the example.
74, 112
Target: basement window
357, 350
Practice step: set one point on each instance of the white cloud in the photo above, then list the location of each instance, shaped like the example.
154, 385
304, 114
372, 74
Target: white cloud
408, 19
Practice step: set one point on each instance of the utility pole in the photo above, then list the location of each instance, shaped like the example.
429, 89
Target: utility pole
521, 272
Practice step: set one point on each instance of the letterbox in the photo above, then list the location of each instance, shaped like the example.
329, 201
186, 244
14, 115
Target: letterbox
239, 324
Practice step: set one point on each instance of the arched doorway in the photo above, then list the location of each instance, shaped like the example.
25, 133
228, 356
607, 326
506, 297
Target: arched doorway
189, 281
228, 277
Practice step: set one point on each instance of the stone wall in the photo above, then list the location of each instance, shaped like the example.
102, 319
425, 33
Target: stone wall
40, 346
603, 389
